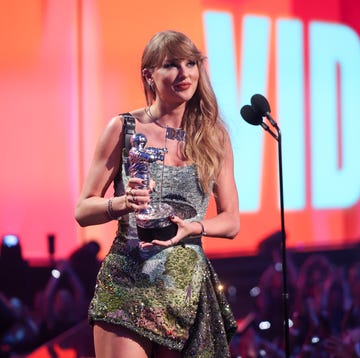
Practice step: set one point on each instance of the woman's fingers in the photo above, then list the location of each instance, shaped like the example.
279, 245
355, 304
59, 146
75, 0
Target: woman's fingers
181, 233
166, 243
152, 186
138, 196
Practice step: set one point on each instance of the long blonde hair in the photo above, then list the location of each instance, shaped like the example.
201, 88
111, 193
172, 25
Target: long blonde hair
205, 130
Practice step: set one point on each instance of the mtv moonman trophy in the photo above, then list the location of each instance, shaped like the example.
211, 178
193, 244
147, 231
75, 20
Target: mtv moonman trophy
154, 222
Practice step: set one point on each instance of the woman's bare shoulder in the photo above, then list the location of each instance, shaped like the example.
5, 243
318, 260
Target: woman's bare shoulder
116, 124
141, 116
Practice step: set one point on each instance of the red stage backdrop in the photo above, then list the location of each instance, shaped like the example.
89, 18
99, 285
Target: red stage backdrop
67, 66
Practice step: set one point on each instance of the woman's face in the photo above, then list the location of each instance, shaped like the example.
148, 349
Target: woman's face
175, 80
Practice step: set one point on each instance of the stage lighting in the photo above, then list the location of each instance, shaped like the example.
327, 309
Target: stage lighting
10, 248
10, 240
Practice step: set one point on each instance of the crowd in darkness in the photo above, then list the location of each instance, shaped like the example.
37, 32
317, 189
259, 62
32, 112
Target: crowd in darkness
323, 307
27, 323
323, 304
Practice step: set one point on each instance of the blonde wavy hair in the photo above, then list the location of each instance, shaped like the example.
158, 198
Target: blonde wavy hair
205, 130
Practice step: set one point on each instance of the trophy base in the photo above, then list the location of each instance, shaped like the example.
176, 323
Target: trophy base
155, 224
149, 234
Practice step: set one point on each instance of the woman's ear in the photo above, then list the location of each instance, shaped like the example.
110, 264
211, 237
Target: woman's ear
147, 74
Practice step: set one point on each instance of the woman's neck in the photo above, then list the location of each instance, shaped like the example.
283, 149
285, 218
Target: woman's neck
165, 117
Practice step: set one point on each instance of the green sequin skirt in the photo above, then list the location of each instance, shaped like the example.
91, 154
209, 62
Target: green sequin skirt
172, 296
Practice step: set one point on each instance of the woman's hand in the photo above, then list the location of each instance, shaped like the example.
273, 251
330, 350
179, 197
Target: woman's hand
184, 229
137, 198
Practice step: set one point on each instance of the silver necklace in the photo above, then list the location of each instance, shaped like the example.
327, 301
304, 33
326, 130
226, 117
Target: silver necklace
170, 132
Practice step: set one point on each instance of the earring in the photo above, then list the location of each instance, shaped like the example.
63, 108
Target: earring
151, 85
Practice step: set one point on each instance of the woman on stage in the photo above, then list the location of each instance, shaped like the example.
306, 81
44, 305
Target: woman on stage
162, 298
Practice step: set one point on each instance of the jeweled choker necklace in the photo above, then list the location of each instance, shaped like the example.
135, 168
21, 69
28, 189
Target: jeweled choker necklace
170, 132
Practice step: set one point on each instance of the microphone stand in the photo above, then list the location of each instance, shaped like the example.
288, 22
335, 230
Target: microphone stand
255, 116
283, 244
266, 128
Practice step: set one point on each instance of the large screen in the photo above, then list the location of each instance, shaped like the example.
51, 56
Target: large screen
68, 66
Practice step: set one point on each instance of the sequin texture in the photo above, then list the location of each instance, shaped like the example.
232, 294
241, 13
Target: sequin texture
169, 295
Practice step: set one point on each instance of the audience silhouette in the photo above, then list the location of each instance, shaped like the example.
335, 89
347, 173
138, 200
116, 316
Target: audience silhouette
324, 304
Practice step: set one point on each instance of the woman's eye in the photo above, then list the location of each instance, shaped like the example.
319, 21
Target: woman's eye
176, 64
169, 64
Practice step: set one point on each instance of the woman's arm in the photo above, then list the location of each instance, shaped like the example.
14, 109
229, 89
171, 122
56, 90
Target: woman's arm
92, 208
226, 223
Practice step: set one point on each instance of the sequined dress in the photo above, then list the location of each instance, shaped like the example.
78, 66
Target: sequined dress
170, 295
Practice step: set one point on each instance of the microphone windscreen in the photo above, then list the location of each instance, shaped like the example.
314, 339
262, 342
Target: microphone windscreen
260, 104
250, 115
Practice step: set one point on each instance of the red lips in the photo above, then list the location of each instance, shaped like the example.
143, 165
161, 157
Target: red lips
182, 86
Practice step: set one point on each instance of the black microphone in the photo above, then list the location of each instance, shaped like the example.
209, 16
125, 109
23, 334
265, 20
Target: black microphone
255, 118
252, 116
261, 104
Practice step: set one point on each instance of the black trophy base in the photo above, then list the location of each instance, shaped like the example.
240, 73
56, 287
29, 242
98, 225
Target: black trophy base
149, 234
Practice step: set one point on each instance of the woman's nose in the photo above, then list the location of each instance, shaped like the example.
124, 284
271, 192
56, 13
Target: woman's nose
183, 70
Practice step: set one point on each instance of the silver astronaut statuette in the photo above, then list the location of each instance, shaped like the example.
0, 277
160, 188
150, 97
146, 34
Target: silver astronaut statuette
154, 222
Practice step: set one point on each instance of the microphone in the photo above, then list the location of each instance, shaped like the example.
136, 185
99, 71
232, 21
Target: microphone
261, 104
252, 116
